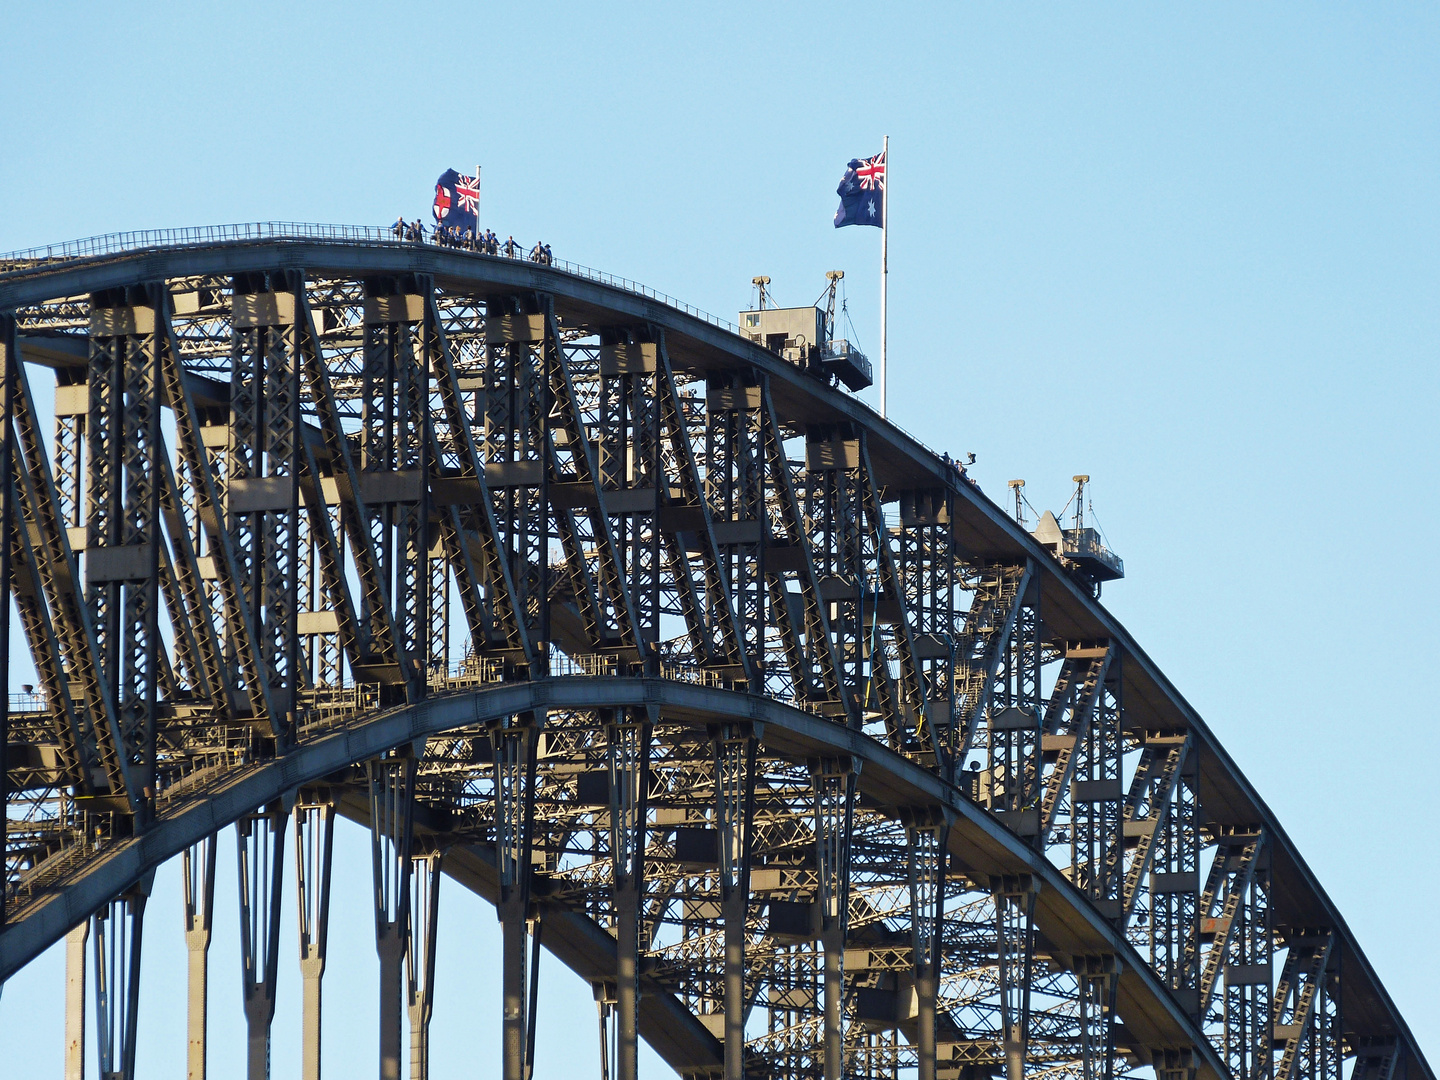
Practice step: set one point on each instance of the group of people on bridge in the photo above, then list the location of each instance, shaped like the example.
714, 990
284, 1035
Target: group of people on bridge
486, 243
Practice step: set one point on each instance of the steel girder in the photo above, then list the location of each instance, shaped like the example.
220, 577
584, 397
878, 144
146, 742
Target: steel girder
979, 850
608, 488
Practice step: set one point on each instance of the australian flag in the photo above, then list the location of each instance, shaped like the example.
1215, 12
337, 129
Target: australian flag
862, 192
457, 201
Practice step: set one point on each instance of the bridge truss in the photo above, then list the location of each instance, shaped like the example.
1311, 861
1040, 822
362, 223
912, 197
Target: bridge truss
723, 690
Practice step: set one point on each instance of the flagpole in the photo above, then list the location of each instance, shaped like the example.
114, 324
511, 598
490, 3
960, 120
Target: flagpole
884, 265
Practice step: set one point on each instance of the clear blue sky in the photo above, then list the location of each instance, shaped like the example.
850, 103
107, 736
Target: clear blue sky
1188, 249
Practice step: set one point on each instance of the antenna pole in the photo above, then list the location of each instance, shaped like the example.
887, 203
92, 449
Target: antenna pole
1017, 486
884, 265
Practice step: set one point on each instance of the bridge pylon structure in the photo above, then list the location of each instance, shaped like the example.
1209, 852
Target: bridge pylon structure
730, 695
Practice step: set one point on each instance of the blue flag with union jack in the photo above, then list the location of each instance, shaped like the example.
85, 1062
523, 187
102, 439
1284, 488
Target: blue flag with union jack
862, 192
457, 201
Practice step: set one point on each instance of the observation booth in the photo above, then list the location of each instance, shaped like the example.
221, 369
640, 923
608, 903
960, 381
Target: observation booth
805, 337
1080, 549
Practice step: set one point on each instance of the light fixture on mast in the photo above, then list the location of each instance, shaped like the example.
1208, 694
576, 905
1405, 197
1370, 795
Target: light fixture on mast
760, 283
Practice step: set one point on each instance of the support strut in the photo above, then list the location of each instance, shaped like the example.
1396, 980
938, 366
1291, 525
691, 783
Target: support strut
514, 741
735, 746
314, 843
261, 851
629, 766
927, 834
833, 782
75, 1000
1015, 956
420, 957
199, 879
392, 786
1099, 980
115, 930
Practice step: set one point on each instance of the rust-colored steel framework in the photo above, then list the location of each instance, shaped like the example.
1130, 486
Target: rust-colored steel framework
742, 703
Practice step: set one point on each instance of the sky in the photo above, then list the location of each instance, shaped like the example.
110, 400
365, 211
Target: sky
1188, 249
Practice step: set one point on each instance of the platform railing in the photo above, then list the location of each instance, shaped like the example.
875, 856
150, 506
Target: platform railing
119, 243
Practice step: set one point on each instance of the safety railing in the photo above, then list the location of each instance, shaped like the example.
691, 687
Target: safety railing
194, 236
471, 671
1086, 543
203, 235
329, 706
593, 665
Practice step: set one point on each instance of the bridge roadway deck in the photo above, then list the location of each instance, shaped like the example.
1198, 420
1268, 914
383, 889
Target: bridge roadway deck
899, 460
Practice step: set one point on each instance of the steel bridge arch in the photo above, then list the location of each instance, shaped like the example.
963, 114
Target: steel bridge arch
54, 310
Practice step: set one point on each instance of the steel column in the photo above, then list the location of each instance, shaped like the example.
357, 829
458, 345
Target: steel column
735, 747
1098, 978
1248, 977
260, 849
927, 835
1237, 853
420, 957
198, 874
122, 551
1174, 885
392, 788
1015, 958
314, 845
833, 783
979, 652
116, 931
514, 742
1096, 800
262, 474
628, 754
75, 1000
1298, 1011
1013, 724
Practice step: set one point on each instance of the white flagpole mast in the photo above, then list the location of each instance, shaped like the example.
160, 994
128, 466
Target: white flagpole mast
884, 264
